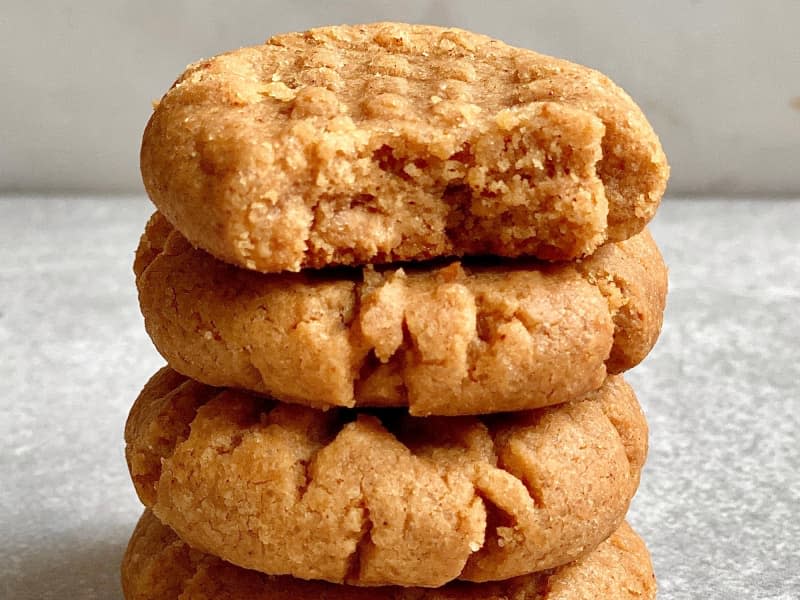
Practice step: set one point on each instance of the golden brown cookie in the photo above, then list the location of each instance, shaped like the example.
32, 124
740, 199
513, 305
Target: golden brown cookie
393, 142
446, 340
159, 566
378, 497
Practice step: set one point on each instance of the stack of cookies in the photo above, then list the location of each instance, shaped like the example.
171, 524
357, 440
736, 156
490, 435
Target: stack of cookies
396, 272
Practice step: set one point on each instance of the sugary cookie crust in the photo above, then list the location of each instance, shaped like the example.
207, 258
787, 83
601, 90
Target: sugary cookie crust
392, 142
443, 340
159, 566
378, 497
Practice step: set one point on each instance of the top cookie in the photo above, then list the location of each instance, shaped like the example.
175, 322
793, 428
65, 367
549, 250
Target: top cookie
392, 142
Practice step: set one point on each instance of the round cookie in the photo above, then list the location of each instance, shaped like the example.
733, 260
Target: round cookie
392, 142
447, 340
378, 497
159, 566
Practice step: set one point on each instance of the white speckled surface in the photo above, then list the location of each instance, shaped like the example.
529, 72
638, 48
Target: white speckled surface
720, 500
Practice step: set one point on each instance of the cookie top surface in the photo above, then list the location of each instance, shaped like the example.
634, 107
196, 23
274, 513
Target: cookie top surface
393, 142
447, 339
380, 498
159, 566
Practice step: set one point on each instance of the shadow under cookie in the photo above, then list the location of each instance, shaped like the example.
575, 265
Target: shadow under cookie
376, 497
78, 562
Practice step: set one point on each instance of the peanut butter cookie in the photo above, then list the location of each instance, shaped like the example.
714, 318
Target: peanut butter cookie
377, 497
158, 565
445, 340
393, 142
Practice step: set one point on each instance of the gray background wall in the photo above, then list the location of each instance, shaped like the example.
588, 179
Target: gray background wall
720, 80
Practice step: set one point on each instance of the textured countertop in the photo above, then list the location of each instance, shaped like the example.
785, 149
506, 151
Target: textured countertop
719, 503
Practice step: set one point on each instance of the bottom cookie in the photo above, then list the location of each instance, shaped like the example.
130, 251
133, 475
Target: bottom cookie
159, 566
